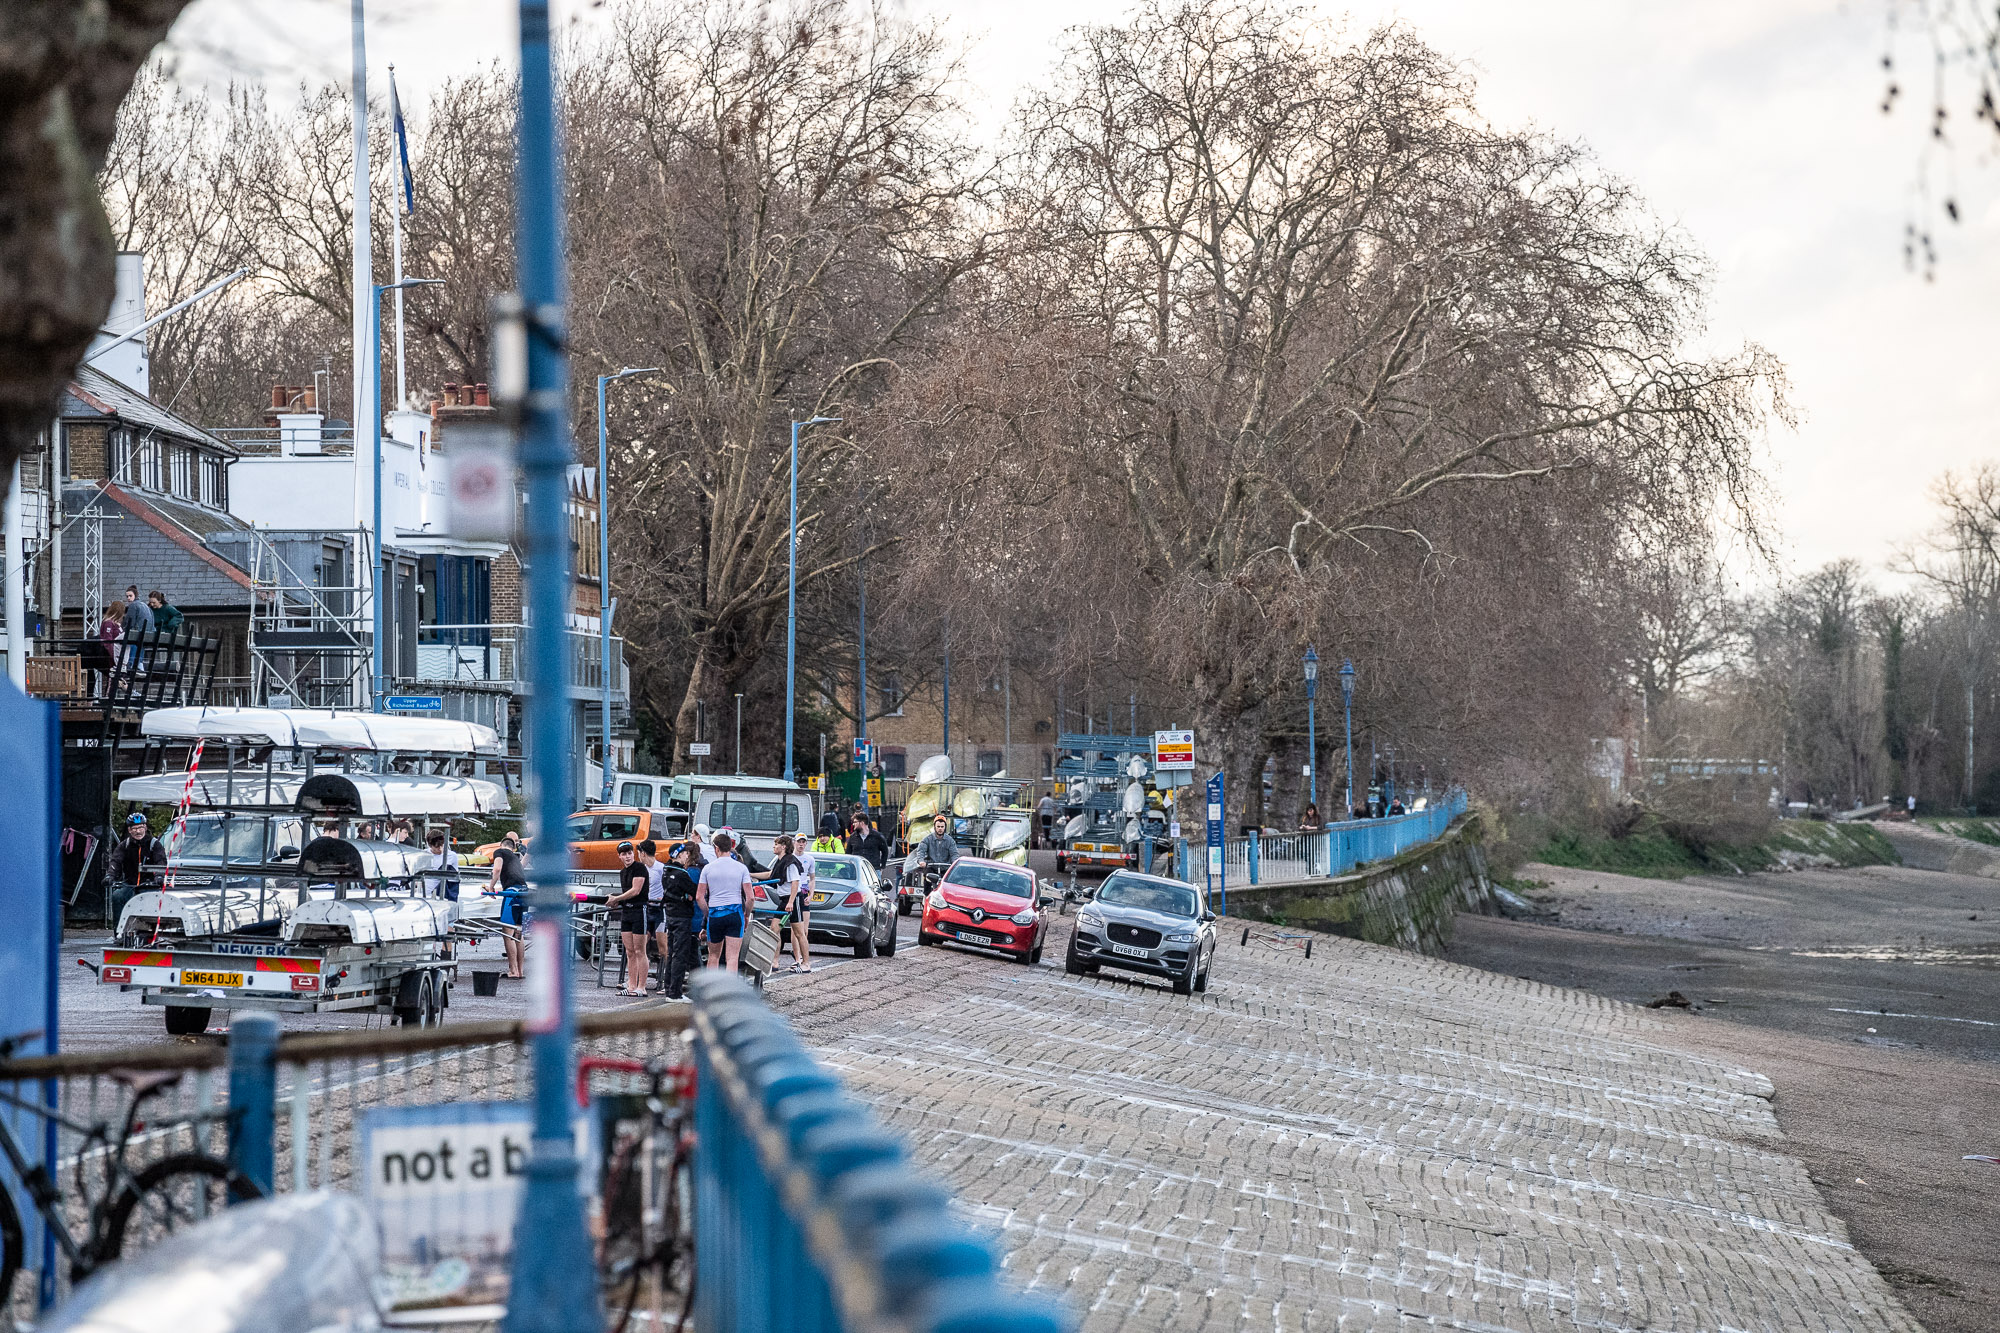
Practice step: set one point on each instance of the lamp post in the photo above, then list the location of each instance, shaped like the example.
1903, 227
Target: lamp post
739, 733
604, 567
1312, 734
792, 592
1347, 706
375, 416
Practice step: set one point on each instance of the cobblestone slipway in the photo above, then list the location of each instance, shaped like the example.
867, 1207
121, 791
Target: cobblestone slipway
1364, 1140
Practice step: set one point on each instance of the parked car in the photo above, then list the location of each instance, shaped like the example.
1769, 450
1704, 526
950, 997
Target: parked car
1146, 923
987, 903
850, 906
594, 835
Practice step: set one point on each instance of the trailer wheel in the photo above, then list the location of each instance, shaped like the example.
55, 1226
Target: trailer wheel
412, 994
186, 1020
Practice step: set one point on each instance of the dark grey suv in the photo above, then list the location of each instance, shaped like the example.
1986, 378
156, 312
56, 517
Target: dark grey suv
1146, 923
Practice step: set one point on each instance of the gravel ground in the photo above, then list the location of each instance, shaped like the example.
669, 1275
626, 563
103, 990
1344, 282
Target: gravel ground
1790, 975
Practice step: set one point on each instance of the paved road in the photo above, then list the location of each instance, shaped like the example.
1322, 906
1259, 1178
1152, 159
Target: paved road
1359, 1139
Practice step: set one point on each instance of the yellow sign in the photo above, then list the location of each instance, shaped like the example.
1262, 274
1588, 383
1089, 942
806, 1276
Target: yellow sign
874, 791
814, 781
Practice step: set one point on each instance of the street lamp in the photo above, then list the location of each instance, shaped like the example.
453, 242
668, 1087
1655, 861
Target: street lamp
792, 591
375, 414
604, 566
1312, 735
1347, 706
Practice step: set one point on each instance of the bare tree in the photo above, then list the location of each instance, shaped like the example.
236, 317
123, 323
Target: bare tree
1961, 562
63, 71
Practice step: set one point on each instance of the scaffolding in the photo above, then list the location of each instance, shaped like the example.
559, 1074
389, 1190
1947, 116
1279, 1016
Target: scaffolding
312, 617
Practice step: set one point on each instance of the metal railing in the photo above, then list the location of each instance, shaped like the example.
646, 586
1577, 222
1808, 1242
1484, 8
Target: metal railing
1283, 858
316, 1088
493, 654
808, 1214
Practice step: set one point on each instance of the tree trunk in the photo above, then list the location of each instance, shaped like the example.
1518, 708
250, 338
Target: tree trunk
1969, 775
1288, 785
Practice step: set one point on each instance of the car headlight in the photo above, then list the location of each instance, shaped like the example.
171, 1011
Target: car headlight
935, 899
1026, 918
1184, 937
1092, 920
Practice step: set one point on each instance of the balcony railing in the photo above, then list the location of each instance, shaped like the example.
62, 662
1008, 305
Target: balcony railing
495, 654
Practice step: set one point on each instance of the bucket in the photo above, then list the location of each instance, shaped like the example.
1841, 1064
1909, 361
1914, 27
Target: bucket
485, 983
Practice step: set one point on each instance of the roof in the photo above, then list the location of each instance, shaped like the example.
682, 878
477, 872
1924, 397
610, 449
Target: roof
95, 394
743, 781
155, 542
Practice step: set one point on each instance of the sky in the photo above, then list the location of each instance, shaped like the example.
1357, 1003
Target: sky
1752, 125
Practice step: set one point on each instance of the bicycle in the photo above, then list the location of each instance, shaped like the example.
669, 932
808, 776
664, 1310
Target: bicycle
648, 1191
135, 1207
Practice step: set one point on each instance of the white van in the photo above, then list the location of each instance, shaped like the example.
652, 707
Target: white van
759, 809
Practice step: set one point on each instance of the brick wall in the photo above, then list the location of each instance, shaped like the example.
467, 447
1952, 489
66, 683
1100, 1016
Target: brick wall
86, 451
507, 589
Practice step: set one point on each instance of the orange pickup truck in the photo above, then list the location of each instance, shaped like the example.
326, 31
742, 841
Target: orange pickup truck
594, 834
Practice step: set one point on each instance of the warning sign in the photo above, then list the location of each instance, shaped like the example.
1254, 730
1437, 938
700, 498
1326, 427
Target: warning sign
1173, 750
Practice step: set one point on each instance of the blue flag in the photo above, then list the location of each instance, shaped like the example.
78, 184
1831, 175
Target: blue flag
402, 147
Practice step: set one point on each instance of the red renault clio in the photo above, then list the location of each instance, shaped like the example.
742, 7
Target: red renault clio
988, 903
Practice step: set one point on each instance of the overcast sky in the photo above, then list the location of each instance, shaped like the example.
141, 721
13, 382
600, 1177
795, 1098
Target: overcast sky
1752, 124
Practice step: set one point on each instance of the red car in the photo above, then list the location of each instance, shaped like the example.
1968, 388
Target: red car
988, 903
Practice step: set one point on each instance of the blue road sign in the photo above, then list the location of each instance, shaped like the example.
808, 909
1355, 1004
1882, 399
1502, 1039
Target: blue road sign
1215, 877
416, 703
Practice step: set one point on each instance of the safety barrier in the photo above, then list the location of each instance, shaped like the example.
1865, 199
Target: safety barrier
1283, 858
808, 1215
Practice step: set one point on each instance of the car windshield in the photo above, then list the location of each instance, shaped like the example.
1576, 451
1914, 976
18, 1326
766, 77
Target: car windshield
834, 867
1150, 895
991, 879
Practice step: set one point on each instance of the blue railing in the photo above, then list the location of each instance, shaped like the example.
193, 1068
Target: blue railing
1285, 857
809, 1217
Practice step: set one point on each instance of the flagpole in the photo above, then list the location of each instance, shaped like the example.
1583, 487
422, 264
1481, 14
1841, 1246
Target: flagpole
367, 480
396, 244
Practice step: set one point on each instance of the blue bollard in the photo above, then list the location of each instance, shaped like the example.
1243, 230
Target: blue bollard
253, 1101
1254, 842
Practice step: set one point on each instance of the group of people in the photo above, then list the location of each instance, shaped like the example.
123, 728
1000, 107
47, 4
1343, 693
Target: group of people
123, 623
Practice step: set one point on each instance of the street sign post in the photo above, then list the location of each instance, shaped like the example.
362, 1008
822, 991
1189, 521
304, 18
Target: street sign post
698, 749
1216, 879
416, 703
864, 752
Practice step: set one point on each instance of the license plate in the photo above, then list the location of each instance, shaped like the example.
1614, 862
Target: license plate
974, 937
211, 978
1130, 950
819, 900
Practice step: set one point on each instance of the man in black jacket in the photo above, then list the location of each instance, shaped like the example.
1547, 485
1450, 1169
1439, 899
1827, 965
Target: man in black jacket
139, 850
863, 840
677, 927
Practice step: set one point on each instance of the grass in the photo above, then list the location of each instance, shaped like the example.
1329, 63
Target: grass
1653, 849
1976, 830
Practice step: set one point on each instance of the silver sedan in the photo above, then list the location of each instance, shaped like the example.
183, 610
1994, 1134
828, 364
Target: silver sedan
850, 906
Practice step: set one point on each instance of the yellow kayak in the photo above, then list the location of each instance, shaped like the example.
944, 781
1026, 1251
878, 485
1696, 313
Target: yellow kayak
923, 803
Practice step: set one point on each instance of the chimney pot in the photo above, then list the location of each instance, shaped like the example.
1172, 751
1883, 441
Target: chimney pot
479, 395
278, 395
450, 394
311, 398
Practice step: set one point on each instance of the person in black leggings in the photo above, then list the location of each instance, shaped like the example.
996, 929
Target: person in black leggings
630, 900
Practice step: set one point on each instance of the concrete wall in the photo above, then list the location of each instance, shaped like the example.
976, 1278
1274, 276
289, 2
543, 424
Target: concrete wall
1406, 901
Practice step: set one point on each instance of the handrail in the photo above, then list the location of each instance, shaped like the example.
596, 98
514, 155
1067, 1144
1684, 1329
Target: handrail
792, 1168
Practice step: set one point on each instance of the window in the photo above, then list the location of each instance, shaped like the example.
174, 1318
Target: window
180, 471
892, 697
635, 793
835, 867
991, 879
214, 482
668, 826
754, 816
618, 826
1048, 763
990, 762
893, 765
1149, 895
578, 828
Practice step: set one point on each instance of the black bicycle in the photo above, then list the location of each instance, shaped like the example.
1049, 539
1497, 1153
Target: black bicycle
133, 1207
648, 1191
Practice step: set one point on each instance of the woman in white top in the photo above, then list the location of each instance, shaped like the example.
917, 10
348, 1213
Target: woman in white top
723, 892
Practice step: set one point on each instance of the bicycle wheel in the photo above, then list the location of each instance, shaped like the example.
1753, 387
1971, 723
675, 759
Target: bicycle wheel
11, 1253
172, 1194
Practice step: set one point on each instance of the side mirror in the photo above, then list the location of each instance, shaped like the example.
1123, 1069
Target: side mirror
1207, 915
287, 853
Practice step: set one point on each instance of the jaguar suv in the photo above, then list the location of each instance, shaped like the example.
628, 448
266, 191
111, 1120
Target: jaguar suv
1145, 923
